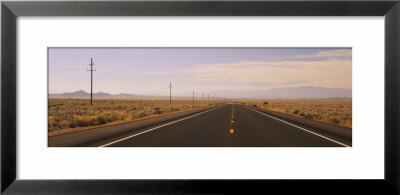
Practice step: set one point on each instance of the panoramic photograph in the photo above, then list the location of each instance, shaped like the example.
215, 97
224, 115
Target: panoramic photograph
199, 97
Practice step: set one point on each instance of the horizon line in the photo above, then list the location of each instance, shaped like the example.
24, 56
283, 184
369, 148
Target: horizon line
199, 92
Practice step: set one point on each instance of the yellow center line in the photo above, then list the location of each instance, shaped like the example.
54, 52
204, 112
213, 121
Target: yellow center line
231, 131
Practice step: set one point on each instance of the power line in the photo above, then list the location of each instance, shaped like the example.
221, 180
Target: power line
91, 80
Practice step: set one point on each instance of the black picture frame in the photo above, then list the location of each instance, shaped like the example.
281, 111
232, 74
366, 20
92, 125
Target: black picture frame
11, 10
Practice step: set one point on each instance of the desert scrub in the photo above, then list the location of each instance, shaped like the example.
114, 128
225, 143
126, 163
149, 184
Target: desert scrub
329, 111
73, 113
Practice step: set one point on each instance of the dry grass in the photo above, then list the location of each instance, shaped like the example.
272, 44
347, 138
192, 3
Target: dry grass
330, 111
77, 113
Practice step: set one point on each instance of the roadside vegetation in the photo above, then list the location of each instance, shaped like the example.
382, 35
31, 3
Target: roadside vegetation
76, 113
337, 112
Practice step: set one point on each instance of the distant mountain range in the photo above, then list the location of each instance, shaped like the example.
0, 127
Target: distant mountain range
290, 93
284, 93
84, 94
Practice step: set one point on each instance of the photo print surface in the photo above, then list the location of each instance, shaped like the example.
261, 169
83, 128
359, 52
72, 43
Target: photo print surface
199, 97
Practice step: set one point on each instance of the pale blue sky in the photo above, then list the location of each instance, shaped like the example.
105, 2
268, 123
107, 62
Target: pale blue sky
148, 71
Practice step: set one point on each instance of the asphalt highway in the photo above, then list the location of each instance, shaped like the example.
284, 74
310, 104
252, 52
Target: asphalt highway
229, 125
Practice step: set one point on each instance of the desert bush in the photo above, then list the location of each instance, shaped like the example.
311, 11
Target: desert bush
63, 124
334, 120
139, 114
325, 110
157, 110
79, 113
174, 109
82, 123
308, 116
111, 117
72, 124
93, 122
101, 120
142, 114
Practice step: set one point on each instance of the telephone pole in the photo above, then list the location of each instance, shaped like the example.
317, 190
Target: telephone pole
170, 87
91, 80
193, 96
203, 97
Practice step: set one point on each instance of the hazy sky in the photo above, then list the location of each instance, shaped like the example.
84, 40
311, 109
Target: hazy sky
148, 71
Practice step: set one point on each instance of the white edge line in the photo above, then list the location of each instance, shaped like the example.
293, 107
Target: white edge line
154, 128
299, 127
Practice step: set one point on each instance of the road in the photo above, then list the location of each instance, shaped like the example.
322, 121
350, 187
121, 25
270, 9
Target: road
229, 125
